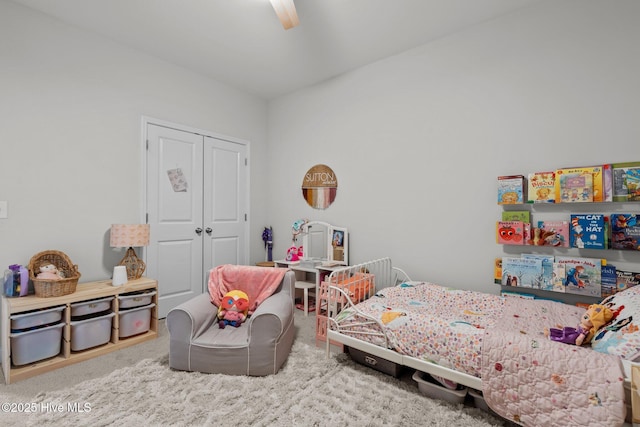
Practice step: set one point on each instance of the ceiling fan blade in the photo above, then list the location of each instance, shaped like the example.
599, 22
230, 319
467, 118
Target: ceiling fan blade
286, 11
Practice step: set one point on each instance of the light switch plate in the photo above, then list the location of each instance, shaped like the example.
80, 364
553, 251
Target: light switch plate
3, 209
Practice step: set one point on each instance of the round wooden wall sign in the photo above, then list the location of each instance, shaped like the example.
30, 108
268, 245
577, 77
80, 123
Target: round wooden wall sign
319, 186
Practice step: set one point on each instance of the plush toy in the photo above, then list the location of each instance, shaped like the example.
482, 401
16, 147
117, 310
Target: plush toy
294, 253
594, 318
50, 272
233, 309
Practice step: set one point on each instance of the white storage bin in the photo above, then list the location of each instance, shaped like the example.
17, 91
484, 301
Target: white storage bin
90, 307
34, 319
134, 321
91, 332
478, 399
429, 387
137, 299
37, 344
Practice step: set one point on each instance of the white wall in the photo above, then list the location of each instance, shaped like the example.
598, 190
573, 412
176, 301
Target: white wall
417, 140
71, 108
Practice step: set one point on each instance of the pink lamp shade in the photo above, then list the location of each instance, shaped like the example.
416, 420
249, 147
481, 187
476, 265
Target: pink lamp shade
129, 236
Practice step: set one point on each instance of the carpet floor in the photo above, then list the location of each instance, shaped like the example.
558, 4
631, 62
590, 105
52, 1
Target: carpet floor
310, 390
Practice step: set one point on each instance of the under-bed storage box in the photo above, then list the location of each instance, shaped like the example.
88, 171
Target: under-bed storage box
375, 362
429, 387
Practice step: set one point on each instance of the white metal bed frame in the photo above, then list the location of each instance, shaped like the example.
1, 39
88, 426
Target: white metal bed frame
339, 299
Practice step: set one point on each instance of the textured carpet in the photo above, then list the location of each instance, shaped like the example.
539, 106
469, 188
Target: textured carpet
310, 390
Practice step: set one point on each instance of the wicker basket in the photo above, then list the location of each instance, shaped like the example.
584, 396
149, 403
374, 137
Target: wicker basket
54, 288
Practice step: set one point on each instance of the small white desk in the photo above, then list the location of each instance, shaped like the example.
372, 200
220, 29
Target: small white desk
307, 278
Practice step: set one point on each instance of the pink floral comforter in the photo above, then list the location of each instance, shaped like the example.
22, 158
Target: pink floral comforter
534, 381
434, 323
526, 377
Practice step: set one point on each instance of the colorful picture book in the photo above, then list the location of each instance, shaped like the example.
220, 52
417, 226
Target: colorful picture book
626, 182
541, 187
625, 231
524, 216
608, 279
510, 232
522, 272
511, 189
588, 231
559, 274
607, 183
626, 279
508, 294
551, 233
582, 275
546, 273
574, 185
497, 271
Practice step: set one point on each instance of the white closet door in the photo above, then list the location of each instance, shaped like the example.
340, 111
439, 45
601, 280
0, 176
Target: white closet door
225, 202
175, 252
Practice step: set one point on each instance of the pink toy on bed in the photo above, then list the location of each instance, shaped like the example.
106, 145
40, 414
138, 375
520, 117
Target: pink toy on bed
259, 283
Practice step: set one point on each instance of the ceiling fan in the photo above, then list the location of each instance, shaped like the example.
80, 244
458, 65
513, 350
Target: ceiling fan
286, 11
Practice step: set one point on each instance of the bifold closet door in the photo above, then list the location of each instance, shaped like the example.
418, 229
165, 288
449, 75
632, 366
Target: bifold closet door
174, 205
197, 208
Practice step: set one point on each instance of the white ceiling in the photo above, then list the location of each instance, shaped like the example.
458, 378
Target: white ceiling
242, 43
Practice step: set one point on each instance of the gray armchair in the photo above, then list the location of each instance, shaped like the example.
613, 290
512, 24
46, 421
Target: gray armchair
259, 347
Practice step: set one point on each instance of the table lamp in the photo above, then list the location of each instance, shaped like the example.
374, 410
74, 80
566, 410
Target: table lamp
129, 236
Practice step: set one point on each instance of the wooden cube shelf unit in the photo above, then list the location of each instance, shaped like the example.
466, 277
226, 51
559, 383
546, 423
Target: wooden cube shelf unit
84, 292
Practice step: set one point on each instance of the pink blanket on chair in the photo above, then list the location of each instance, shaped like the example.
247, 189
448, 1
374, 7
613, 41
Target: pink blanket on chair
259, 283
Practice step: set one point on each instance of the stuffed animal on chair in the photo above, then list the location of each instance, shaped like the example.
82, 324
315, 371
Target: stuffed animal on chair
233, 309
594, 318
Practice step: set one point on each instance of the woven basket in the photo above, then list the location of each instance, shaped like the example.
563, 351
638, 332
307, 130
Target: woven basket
53, 288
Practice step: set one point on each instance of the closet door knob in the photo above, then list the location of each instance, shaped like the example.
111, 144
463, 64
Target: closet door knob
198, 231
208, 230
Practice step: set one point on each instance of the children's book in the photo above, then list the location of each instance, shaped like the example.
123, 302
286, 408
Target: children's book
626, 182
609, 280
497, 271
541, 187
588, 231
524, 216
575, 185
546, 283
583, 276
607, 183
510, 232
523, 272
551, 233
508, 294
625, 231
511, 189
558, 277
626, 279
